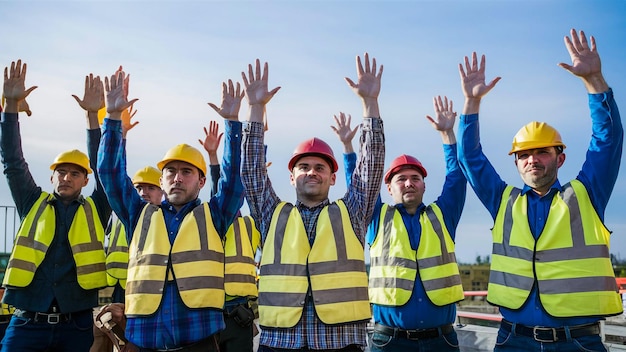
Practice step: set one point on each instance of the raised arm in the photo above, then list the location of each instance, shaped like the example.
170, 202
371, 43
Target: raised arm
364, 186
345, 134
445, 116
259, 192
473, 83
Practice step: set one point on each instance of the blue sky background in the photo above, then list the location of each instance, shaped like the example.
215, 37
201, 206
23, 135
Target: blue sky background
178, 53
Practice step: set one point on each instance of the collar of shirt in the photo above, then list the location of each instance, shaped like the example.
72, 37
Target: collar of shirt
302, 207
555, 187
80, 200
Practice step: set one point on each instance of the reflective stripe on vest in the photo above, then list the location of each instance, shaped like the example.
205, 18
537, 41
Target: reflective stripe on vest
197, 262
394, 264
239, 251
571, 259
86, 238
335, 263
117, 256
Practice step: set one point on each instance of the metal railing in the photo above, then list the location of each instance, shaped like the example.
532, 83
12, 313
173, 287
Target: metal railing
9, 224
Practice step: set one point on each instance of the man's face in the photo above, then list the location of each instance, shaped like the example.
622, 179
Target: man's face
181, 182
407, 187
149, 192
312, 176
539, 167
68, 181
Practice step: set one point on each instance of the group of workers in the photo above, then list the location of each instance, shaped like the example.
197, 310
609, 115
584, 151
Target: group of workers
185, 268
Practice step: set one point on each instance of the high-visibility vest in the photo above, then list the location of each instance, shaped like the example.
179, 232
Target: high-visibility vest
86, 238
335, 266
117, 255
240, 244
569, 261
394, 264
197, 262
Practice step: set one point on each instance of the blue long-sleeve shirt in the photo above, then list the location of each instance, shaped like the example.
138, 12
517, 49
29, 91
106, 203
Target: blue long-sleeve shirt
55, 279
173, 325
419, 312
598, 175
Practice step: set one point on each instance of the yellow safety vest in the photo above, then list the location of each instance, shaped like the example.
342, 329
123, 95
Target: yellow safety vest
394, 264
335, 265
569, 261
240, 243
86, 237
197, 262
117, 255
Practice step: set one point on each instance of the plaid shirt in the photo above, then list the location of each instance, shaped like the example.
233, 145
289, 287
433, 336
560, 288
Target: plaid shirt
173, 324
360, 199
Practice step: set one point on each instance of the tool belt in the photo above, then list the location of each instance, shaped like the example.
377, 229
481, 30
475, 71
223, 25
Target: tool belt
546, 334
417, 334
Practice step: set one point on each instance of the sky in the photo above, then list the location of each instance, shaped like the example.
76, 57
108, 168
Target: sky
179, 52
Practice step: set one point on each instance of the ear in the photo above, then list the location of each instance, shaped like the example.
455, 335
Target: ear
560, 160
202, 181
86, 181
292, 179
52, 178
389, 188
333, 178
161, 182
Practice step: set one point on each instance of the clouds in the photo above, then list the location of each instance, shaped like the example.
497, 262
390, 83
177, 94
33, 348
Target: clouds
178, 53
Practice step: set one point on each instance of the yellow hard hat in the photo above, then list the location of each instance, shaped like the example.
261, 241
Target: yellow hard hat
75, 157
186, 153
149, 175
102, 113
536, 135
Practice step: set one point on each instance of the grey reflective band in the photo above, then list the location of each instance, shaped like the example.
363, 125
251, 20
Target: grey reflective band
510, 280
145, 225
446, 257
403, 284
443, 282
240, 278
339, 295
113, 246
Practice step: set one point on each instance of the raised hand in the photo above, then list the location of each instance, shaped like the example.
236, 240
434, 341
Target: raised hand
585, 59
14, 90
93, 98
212, 141
344, 132
127, 124
445, 115
255, 85
585, 62
368, 79
231, 101
117, 94
473, 78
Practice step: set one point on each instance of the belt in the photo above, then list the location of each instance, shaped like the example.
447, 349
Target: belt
38, 317
418, 334
545, 334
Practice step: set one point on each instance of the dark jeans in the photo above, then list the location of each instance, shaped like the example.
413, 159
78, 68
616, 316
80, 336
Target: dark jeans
236, 338
26, 335
382, 342
351, 348
508, 341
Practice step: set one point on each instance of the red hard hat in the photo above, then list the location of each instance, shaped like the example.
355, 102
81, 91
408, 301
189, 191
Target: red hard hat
314, 147
402, 162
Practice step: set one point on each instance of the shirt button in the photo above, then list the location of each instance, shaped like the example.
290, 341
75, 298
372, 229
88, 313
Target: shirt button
419, 299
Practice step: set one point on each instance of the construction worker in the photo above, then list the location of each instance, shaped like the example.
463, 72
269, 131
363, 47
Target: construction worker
313, 283
414, 280
240, 243
58, 262
177, 303
550, 274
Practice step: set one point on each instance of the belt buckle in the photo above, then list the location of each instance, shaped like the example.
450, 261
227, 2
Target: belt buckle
412, 334
53, 318
537, 330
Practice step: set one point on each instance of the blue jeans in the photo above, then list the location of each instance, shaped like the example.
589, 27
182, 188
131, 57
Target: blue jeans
25, 335
382, 342
508, 341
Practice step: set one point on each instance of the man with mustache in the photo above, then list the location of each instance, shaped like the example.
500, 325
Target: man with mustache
58, 262
414, 280
175, 285
551, 274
